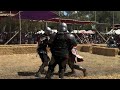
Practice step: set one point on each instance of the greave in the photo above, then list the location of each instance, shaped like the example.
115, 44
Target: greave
61, 74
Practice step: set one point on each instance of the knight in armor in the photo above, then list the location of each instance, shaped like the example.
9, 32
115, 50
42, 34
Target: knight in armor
42, 50
60, 49
73, 59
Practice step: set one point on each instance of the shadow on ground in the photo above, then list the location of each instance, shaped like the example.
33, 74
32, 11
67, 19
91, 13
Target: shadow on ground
33, 73
26, 73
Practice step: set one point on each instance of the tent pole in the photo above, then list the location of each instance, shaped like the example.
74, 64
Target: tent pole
10, 23
113, 20
11, 38
10, 32
95, 16
20, 25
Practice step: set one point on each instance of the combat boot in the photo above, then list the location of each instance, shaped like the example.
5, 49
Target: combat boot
73, 71
40, 71
81, 68
38, 74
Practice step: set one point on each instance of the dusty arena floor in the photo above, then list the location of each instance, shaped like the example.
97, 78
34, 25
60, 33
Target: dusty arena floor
24, 66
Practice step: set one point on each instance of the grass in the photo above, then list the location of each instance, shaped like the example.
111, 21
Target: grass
24, 66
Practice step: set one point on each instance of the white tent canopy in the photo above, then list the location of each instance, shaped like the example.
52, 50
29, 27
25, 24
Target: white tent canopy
40, 32
114, 31
83, 31
74, 31
90, 32
117, 31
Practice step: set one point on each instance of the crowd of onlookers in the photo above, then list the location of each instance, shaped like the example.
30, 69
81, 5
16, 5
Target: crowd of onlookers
89, 38
114, 41
31, 38
26, 38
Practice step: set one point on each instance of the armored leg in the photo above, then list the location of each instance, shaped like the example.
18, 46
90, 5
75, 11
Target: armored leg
81, 68
61, 74
49, 74
61, 71
45, 59
50, 71
71, 64
84, 72
41, 69
62, 67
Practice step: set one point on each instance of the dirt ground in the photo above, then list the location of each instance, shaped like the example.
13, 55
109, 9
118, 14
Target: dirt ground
24, 66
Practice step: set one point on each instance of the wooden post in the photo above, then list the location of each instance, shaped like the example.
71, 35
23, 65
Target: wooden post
20, 25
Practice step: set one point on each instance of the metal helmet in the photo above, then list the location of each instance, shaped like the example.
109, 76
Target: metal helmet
62, 27
48, 30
